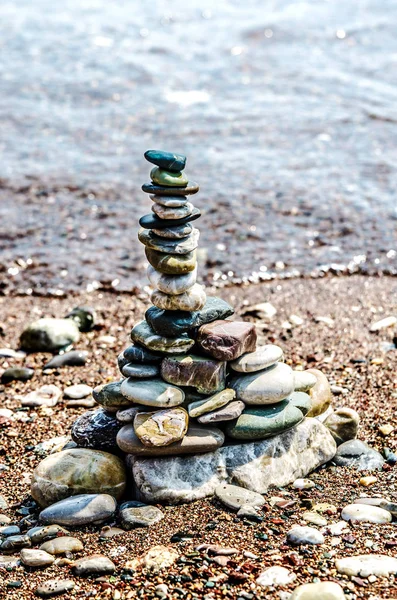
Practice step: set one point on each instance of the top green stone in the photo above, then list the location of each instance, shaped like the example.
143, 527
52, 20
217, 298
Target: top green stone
166, 160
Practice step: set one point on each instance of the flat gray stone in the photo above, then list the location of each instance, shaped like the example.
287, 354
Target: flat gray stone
227, 413
62, 545
152, 392
139, 516
359, 455
41, 534
169, 246
15, 542
80, 510
139, 371
143, 334
95, 565
235, 497
255, 466
36, 558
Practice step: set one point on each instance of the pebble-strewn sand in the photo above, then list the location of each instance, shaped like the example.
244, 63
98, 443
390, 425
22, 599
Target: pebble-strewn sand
344, 348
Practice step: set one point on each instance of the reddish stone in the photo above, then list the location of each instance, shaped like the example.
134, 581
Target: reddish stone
227, 340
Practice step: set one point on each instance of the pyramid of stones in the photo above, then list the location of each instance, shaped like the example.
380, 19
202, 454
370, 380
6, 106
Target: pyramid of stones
193, 379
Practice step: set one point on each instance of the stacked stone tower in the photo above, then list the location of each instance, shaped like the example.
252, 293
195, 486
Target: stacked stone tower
193, 378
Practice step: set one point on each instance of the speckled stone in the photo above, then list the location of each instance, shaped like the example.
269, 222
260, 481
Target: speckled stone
140, 371
261, 358
320, 393
235, 497
192, 300
95, 565
196, 441
180, 212
109, 396
161, 190
171, 284
228, 413
152, 392
135, 514
76, 471
142, 334
43, 533
166, 160
201, 407
174, 233
151, 221
264, 422
127, 415
168, 178
172, 264
173, 323
139, 354
169, 246
55, 587
161, 428
227, 340
205, 374
265, 387
96, 429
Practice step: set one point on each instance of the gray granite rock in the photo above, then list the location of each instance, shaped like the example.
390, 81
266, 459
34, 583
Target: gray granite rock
256, 466
359, 455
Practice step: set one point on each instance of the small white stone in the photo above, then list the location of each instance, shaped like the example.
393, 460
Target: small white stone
366, 514
314, 518
47, 395
383, 324
303, 484
78, 391
367, 564
336, 528
274, 576
324, 590
305, 535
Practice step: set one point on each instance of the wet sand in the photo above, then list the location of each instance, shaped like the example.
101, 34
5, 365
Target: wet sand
352, 357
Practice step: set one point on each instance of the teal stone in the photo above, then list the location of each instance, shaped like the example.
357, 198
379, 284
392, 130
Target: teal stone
166, 160
152, 221
154, 242
168, 178
262, 423
162, 190
302, 401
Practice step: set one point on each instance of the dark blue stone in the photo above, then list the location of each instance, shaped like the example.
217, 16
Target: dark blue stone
166, 160
153, 222
16, 374
172, 323
96, 429
160, 190
139, 354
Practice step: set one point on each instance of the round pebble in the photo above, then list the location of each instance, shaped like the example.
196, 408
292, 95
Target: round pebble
302, 535
365, 513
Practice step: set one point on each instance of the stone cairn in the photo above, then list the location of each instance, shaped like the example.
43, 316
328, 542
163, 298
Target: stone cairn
193, 380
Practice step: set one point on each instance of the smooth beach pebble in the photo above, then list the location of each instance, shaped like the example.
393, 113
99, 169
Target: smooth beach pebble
314, 518
301, 400
62, 545
303, 484
196, 441
162, 427
161, 190
180, 212
192, 300
227, 340
168, 178
323, 590
366, 514
139, 354
366, 565
261, 422
36, 558
143, 334
140, 371
235, 497
169, 201
304, 381
82, 509
357, 454
343, 424
96, 429
16, 374
94, 565
49, 335
153, 222
174, 233
172, 284
274, 384
320, 393
78, 391
166, 160
55, 587
135, 514
201, 407
261, 358
75, 358
109, 396
172, 264
47, 395
302, 535
41, 534
153, 392
228, 413
275, 576
169, 246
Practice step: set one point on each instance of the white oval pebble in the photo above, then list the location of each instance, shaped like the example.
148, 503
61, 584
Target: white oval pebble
365, 513
275, 576
324, 590
305, 535
303, 484
367, 564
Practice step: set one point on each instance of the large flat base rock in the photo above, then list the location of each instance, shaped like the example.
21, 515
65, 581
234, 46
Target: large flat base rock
256, 466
